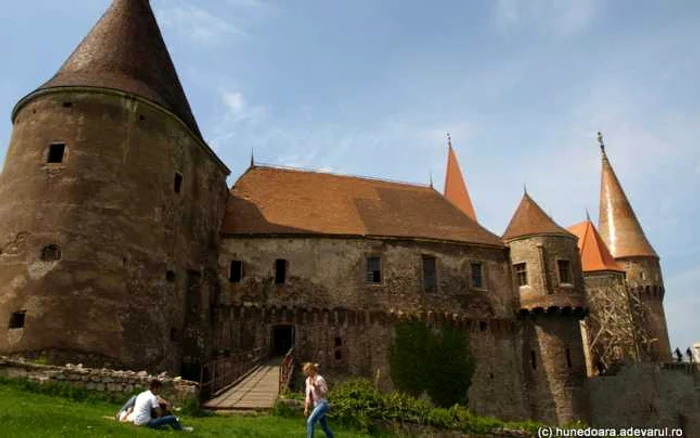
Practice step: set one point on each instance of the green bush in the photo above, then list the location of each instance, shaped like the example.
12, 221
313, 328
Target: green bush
439, 364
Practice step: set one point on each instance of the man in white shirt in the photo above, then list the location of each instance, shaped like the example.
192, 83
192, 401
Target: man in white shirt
146, 402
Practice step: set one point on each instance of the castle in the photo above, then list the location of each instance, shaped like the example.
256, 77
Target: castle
122, 246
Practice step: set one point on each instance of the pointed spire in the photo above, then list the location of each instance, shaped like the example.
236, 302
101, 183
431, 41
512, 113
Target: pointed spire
125, 51
530, 219
252, 157
618, 223
595, 255
455, 189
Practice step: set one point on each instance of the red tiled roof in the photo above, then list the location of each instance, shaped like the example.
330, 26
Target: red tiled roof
529, 219
618, 224
594, 253
455, 189
125, 51
268, 200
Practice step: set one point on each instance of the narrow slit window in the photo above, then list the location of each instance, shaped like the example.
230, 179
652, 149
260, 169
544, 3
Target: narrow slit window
533, 359
236, 271
17, 320
56, 152
338, 342
477, 276
338, 355
521, 274
564, 271
568, 358
429, 280
374, 270
178, 182
280, 271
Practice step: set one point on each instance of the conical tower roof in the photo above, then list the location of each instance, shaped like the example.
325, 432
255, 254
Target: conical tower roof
530, 219
125, 51
618, 224
595, 255
455, 189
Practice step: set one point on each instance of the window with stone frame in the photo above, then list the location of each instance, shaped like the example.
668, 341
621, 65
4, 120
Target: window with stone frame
56, 153
235, 274
521, 273
177, 185
564, 268
280, 271
477, 275
374, 269
17, 320
429, 274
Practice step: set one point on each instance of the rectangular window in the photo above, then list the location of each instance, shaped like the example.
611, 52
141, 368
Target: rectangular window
17, 320
564, 272
477, 276
280, 271
533, 359
178, 182
374, 270
521, 274
56, 152
236, 271
429, 278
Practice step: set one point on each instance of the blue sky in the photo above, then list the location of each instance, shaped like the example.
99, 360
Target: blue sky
370, 87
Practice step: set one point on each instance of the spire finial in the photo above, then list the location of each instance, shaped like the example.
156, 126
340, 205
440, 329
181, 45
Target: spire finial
588, 215
449, 140
431, 179
525, 188
252, 157
600, 141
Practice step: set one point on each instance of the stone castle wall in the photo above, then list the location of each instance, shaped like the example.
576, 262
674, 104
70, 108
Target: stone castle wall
129, 279
648, 395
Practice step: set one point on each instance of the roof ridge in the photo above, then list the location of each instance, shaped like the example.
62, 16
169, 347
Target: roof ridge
340, 175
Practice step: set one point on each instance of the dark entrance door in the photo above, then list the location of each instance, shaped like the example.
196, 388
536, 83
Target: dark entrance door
282, 339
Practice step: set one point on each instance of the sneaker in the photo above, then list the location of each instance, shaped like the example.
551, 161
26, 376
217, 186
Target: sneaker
188, 429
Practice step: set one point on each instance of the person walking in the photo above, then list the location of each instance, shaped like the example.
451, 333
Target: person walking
316, 394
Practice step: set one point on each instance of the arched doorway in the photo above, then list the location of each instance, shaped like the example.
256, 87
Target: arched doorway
282, 339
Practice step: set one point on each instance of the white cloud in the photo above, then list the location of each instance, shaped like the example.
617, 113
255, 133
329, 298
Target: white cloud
238, 110
195, 23
561, 17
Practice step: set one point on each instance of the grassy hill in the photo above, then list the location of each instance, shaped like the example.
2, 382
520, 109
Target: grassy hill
28, 414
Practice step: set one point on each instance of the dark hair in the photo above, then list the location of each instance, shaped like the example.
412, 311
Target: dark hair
156, 384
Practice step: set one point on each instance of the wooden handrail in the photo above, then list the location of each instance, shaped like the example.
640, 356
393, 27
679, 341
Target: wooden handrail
287, 371
221, 373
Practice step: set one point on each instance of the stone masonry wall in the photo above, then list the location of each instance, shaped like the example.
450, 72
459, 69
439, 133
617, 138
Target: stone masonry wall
175, 390
648, 395
132, 273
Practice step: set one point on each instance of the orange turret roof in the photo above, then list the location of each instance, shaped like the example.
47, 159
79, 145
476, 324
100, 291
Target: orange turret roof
530, 219
618, 224
594, 253
125, 51
455, 189
274, 201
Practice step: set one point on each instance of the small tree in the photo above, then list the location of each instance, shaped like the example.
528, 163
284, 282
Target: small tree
439, 364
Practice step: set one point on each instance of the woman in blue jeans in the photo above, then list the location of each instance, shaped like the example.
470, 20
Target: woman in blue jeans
316, 393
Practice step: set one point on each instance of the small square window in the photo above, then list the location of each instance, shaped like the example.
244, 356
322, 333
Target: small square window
236, 271
564, 271
374, 270
429, 277
338, 355
521, 274
178, 182
56, 152
280, 271
477, 276
338, 342
17, 319
170, 276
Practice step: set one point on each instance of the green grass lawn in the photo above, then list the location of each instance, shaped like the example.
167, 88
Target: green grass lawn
27, 415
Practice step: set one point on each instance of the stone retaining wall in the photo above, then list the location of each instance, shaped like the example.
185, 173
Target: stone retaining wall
176, 390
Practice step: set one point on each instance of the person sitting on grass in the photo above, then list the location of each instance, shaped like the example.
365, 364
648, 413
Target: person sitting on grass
148, 411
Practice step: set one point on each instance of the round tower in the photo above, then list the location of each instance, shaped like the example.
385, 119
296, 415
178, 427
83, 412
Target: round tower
547, 271
628, 244
110, 205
